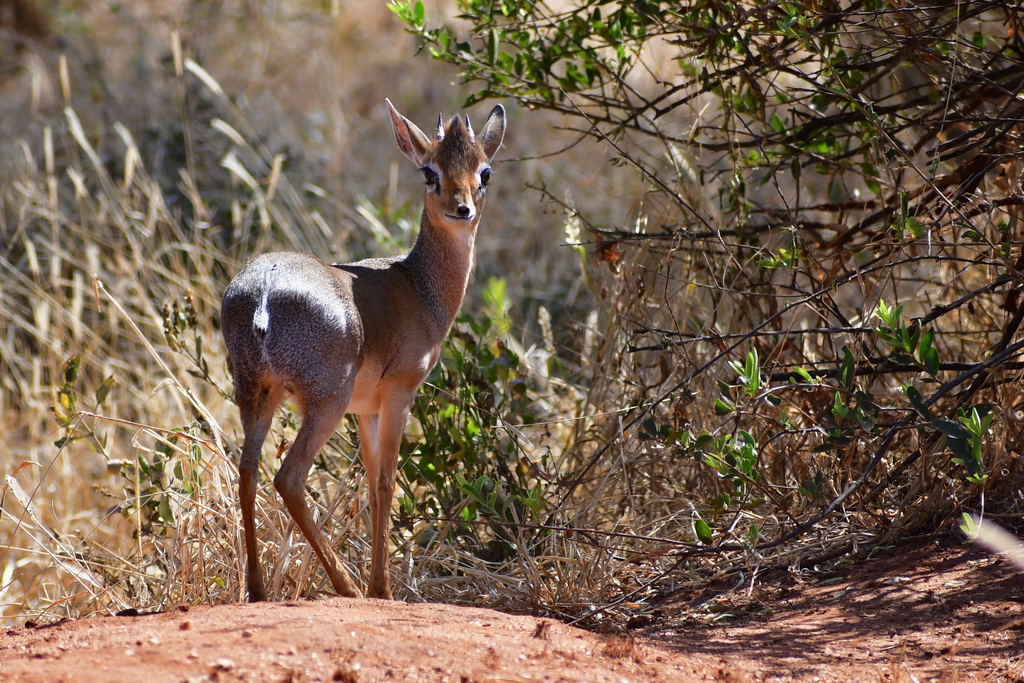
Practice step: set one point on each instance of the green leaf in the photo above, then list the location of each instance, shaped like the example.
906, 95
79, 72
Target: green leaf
917, 401
703, 532
839, 408
914, 227
805, 375
71, 367
961, 449
104, 389
61, 443
928, 354
969, 527
951, 429
165, 512
927, 337
890, 317
889, 338
493, 44
847, 370
752, 373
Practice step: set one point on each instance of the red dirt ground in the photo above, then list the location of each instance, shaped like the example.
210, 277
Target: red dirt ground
925, 613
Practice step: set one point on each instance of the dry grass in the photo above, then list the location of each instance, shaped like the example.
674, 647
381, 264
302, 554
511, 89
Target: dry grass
150, 151
143, 160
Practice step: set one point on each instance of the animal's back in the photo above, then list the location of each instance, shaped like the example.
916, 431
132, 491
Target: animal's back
286, 316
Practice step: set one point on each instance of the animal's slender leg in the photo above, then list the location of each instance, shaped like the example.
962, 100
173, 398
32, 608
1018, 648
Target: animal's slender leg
381, 480
317, 426
258, 413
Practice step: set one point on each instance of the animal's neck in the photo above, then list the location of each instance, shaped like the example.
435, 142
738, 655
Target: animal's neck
441, 261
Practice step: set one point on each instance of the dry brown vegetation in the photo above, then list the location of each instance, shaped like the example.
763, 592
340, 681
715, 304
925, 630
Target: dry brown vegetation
147, 150
637, 400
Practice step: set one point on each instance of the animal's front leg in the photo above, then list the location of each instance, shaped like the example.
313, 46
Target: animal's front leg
381, 479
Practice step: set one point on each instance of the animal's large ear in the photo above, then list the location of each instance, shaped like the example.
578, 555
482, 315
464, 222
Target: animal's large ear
493, 131
411, 140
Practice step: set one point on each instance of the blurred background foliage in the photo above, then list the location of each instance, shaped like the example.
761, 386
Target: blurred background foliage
746, 296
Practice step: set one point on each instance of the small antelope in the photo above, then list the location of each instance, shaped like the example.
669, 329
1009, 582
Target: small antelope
355, 338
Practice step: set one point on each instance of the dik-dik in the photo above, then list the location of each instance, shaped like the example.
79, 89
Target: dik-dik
355, 338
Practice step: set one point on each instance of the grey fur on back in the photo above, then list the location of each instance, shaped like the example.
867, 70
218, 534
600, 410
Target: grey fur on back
283, 319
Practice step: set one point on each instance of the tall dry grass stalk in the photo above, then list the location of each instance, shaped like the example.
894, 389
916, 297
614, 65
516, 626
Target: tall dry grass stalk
119, 235
95, 252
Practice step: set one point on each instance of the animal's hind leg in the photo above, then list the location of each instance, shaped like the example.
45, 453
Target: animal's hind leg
257, 408
318, 423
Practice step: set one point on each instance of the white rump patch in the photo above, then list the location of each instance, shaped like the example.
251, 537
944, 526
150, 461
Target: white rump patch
261, 319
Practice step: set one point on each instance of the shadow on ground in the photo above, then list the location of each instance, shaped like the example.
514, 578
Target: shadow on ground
926, 609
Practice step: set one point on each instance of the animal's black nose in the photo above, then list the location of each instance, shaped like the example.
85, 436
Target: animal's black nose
462, 211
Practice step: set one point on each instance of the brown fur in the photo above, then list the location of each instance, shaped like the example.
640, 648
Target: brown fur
356, 338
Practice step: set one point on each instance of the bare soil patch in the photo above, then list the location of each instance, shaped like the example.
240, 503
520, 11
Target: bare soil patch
337, 639
914, 613
926, 613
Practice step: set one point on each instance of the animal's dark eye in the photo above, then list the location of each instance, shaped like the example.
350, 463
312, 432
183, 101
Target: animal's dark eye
485, 176
430, 175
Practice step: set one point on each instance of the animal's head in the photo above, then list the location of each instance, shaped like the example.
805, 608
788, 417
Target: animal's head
455, 162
